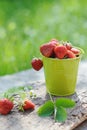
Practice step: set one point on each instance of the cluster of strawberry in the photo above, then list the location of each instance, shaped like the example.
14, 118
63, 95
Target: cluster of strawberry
55, 49
6, 105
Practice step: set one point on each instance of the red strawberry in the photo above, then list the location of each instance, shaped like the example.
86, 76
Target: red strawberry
36, 63
28, 105
5, 106
68, 46
54, 41
70, 54
60, 51
75, 51
47, 49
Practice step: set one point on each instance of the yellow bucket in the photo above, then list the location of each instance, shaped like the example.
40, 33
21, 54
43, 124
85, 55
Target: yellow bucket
61, 75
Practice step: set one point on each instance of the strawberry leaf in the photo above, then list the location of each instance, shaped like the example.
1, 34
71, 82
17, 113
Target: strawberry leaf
15, 90
61, 114
65, 102
47, 109
12, 91
29, 87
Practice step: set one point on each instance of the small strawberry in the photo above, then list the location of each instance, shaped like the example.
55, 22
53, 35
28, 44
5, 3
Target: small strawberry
36, 64
54, 42
68, 46
28, 105
75, 51
60, 51
47, 49
5, 106
70, 54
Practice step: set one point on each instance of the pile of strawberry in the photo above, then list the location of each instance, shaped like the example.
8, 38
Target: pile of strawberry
55, 49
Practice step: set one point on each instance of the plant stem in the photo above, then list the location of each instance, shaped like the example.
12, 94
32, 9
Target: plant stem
50, 96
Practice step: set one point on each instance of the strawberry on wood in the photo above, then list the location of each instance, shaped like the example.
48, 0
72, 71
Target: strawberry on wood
28, 105
5, 106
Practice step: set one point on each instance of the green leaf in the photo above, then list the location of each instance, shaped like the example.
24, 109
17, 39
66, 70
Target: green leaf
65, 102
14, 90
61, 114
47, 109
29, 87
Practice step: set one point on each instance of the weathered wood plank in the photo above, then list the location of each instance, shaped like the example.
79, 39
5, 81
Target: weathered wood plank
31, 121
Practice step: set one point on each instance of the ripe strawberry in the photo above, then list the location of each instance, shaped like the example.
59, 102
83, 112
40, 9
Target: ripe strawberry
28, 105
75, 51
54, 42
47, 49
60, 51
36, 64
5, 106
70, 54
68, 46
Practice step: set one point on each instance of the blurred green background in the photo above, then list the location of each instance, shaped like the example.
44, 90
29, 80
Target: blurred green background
26, 24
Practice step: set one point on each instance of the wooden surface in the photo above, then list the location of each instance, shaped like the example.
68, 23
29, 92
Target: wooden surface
76, 116
31, 121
